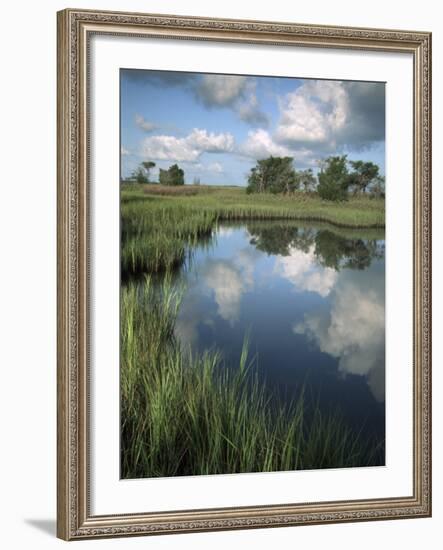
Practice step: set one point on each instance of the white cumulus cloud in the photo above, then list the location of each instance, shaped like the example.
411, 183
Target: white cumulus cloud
210, 142
313, 113
260, 144
186, 149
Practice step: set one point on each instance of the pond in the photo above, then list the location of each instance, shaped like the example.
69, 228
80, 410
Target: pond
310, 300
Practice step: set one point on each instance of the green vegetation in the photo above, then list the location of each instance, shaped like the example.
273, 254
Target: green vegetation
172, 176
274, 175
142, 173
188, 414
184, 414
155, 238
277, 175
160, 224
335, 181
363, 175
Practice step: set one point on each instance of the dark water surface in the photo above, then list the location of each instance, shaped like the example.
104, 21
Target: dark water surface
312, 300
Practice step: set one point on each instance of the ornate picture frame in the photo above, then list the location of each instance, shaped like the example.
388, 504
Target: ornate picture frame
75, 519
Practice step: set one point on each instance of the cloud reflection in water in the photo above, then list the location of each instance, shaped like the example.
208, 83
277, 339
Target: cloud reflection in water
353, 329
338, 299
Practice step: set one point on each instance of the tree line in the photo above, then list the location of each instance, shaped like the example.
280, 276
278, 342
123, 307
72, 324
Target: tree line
337, 178
174, 175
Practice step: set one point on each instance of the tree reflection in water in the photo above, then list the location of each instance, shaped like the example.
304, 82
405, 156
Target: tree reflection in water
331, 249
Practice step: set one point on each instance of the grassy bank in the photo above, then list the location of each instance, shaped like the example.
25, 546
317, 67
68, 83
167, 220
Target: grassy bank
184, 415
159, 224
231, 203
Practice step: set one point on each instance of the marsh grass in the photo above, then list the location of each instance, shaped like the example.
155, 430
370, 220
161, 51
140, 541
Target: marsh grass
158, 232
185, 414
189, 414
157, 239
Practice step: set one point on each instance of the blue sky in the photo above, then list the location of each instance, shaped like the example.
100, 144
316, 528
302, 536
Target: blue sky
217, 126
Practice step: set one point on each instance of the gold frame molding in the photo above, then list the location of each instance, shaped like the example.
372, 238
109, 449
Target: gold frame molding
75, 27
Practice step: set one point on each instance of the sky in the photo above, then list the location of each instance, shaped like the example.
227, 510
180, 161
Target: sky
217, 126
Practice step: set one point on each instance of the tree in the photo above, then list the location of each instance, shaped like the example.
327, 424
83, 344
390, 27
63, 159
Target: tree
363, 175
306, 179
172, 176
274, 175
334, 179
141, 173
148, 165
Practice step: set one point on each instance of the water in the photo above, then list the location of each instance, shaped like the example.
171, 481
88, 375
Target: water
311, 300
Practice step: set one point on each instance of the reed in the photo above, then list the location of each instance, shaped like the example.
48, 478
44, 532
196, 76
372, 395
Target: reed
188, 414
158, 232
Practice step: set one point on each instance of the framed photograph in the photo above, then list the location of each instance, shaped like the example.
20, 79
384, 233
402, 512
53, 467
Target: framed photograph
244, 248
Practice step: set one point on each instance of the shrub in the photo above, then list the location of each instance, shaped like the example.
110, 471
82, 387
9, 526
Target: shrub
274, 174
172, 176
334, 179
